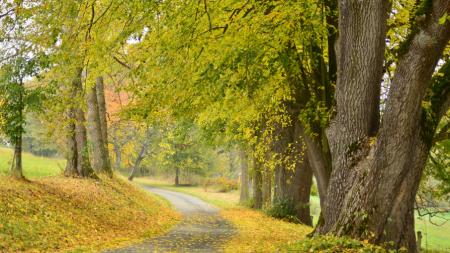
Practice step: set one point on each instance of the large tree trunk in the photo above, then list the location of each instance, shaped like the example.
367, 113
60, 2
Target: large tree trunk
244, 192
71, 154
100, 161
376, 173
100, 90
83, 164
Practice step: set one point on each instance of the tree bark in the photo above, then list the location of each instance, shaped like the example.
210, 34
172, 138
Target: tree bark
100, 161
257, 184
141, 156
244, 193
71, 165
376, 174
16, 168
100, 92
83, 164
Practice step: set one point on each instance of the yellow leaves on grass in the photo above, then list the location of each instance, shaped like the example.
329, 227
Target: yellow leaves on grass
260, 233
60, 214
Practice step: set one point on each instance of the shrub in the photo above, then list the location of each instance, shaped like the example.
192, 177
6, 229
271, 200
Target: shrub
283, 209
331, 244
221, 184
225, 185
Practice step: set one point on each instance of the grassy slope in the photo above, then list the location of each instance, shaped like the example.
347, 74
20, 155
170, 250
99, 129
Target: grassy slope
257, 231
33, 166
57, 214
61, 214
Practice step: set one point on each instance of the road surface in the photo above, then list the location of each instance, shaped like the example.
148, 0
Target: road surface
201, 230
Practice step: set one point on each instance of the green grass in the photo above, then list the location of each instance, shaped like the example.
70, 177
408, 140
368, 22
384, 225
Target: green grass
33, 166
434, 237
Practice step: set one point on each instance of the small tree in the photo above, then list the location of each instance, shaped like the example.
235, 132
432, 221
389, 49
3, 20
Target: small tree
15, 99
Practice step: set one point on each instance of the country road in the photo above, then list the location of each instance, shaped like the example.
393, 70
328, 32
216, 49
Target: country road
201, 230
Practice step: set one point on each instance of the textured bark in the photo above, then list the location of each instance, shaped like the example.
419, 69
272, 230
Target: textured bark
100, 159
360, 69
100, 91
71, 165
244, 191
375, 180
83, 164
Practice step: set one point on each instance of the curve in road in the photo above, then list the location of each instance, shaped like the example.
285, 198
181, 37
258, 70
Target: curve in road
201, 230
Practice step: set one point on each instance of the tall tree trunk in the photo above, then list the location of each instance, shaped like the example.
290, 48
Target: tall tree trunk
100, 91
266, 187
100, 162
376, 173
257, 184
83, 164
244, 193
71, 165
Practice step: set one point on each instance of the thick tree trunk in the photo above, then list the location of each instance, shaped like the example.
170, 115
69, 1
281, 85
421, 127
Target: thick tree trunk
244, 193
100, 91
100, 161
360, 68
71, 165
83, 164
376, 174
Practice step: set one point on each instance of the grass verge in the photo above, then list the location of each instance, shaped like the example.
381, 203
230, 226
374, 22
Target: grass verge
59, 214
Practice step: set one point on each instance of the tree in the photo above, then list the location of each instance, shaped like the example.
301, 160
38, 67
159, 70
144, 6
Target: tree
377, 165
97, 125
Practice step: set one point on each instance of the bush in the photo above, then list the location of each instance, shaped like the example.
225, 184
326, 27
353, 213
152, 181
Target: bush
225, 185
331, 244
220, 184
283, 209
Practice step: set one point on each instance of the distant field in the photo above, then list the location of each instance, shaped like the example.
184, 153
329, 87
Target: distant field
33, 166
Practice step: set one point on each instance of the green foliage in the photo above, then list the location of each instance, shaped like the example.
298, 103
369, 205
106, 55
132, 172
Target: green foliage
330, 244
283, 209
